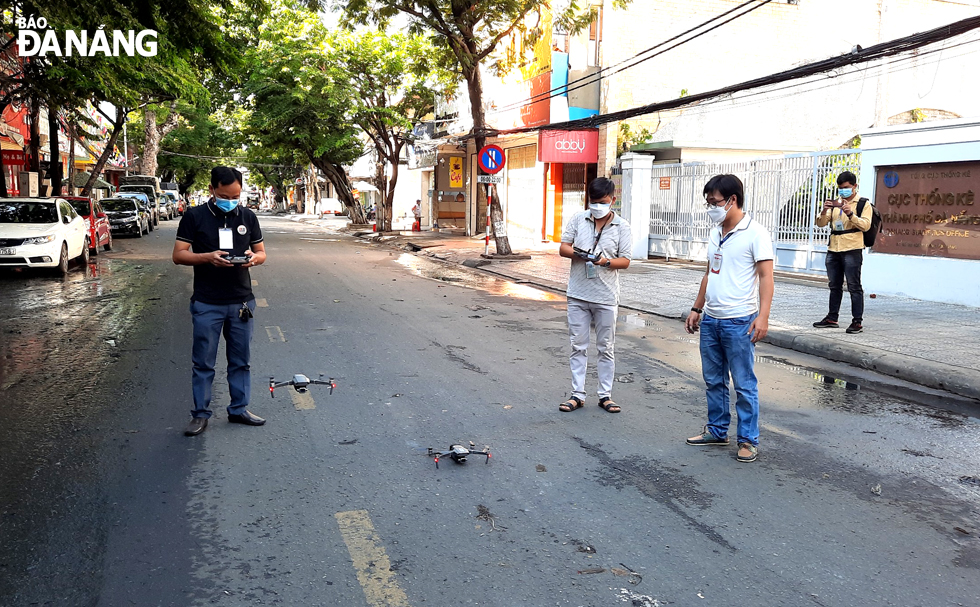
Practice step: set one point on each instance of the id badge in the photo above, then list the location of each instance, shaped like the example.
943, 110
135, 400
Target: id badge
716, 263
839, 225
590, 271
225, 239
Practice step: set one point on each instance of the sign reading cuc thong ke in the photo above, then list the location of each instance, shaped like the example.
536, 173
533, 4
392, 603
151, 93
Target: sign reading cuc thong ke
929, 209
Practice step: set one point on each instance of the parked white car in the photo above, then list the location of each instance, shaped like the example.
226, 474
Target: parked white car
41, 232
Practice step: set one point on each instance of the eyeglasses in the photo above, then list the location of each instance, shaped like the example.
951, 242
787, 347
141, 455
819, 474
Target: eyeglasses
713, 203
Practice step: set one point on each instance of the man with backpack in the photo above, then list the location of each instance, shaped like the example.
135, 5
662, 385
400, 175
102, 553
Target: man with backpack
849, 218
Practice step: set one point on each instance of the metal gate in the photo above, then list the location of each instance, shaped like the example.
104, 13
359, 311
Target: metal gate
784, 194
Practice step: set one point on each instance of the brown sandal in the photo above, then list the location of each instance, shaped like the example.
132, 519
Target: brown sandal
571, 404
607, 403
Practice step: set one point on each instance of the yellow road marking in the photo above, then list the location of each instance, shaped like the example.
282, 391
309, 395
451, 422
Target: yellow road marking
275, 334
370, 560
302, 401
255, 283
261, 302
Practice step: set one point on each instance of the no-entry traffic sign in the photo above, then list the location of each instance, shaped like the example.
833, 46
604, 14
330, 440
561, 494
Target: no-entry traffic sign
491, 159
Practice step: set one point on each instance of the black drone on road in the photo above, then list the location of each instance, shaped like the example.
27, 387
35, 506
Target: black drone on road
300, 383
458, 453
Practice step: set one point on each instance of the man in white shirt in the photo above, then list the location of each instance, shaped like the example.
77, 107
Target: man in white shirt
599, 242
735, 298
417, 213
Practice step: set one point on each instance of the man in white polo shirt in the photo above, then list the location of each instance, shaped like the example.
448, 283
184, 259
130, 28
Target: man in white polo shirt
599, 242
735, 298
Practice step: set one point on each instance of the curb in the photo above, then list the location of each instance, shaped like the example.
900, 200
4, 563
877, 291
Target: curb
931, 374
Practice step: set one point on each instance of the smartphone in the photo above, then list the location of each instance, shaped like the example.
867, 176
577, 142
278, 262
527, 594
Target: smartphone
237, 260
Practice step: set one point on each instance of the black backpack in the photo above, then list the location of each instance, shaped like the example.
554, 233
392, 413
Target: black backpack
871, 233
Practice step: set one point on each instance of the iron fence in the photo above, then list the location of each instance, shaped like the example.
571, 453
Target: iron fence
783, 194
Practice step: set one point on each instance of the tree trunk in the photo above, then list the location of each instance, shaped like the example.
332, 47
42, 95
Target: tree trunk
338, 177
3, 178
34, 113
392, 182
71, 155
154, 134
312, 189
474, 85
381, 210
54, 144
3, 168
104, 157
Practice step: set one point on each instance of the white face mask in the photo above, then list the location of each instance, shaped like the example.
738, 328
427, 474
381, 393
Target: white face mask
717, 214
599, 210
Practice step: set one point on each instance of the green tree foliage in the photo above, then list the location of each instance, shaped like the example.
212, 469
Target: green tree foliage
628, 137
467, 32
201, 139
193, 37
393, 81
298, 100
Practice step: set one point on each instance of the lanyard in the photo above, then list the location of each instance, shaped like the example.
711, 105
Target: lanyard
598, 235
730, 234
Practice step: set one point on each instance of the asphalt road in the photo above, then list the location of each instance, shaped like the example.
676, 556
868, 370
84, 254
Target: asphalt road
867, 491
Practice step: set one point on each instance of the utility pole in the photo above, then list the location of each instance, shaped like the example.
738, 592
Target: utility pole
881, 91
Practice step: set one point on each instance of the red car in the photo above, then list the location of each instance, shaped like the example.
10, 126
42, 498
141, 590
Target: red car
99, 232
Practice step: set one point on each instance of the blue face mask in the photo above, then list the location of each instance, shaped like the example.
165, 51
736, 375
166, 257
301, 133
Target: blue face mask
225, 205
845, 192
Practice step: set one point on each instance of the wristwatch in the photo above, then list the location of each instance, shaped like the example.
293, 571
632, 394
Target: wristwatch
698, 310
607, 264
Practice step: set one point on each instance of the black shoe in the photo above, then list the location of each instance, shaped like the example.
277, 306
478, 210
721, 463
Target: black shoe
826, 323
197, 425
706, 438
855, 328
246, 418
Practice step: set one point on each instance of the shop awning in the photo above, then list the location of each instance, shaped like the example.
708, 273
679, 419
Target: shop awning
81, 178
364, 186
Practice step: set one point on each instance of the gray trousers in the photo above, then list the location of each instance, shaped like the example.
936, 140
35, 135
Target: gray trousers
581, 316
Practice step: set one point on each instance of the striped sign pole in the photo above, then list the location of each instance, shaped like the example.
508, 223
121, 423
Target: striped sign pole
486, 249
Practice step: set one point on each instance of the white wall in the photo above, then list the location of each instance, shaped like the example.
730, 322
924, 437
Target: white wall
928, 278
408, 189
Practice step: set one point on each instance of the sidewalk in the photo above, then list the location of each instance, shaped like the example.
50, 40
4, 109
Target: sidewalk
930, 344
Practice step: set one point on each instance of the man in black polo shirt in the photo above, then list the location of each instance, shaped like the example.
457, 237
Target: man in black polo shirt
208, 236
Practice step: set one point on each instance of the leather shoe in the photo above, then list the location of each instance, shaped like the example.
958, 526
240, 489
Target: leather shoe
247, 418
197, 425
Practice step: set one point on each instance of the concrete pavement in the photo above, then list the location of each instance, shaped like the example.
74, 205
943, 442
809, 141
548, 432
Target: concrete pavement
927, 343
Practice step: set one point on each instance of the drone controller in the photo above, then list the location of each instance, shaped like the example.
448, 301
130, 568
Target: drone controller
300, 383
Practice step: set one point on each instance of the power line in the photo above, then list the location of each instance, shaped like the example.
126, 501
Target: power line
237, 159
891, 69
878, 51
597, 76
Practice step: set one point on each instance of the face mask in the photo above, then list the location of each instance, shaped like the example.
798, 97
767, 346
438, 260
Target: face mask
225, 205
845, 192
717, 214
599, 210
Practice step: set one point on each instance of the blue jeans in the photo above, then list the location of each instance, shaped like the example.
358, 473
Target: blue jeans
726, 348
210, 322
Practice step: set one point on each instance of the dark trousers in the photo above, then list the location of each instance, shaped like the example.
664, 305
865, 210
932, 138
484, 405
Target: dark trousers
841, 265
